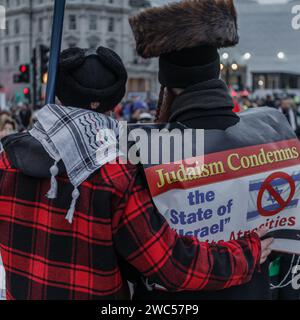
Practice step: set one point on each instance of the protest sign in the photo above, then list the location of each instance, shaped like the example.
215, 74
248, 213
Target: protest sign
248, 177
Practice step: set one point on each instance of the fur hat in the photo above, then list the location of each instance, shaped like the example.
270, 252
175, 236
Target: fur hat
185, 24
86, 76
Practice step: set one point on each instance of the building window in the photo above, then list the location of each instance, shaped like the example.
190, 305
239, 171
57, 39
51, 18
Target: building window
17, 26
72, 22
41, 24
111, 25
50, 21
6, 55
17, 54
93, 22
274, 82
7, 27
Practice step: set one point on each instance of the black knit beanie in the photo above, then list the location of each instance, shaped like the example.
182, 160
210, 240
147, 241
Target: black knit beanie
86, 76
184, 68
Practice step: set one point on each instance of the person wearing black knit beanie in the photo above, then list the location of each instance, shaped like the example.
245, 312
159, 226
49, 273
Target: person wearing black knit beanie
91, 79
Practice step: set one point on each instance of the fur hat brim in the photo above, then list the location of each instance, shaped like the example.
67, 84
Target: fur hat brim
185, 24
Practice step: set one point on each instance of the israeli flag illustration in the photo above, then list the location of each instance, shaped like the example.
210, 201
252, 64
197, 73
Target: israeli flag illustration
281, 186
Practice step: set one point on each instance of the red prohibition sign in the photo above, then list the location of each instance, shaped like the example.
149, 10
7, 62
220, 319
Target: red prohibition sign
267, 186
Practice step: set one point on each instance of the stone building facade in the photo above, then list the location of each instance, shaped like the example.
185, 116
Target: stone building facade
88, 24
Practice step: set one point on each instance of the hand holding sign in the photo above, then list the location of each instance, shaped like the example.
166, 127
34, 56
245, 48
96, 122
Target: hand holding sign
265, 245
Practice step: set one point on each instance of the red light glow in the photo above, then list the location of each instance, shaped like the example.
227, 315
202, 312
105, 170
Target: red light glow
23, 69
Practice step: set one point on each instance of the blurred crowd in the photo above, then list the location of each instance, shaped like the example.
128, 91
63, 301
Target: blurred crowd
20, 118
288, 104
137, 110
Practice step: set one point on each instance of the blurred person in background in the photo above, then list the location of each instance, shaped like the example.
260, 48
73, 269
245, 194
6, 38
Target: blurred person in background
138, 107
287, 107
33, 120
270, 102
237, 108
247, 103
118, 111
15, 114
126, 110
7, 127
146, 117
4, 115
25, 115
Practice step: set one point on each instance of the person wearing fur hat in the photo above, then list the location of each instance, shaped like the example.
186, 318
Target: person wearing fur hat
97, 220
186, 36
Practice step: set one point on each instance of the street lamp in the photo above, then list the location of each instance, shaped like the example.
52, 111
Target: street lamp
247, 56
261, 83
281, 55
225, 56
234, 66
228, 66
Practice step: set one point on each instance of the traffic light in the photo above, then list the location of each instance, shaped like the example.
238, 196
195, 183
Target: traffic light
44, 54
27, 95
24, 75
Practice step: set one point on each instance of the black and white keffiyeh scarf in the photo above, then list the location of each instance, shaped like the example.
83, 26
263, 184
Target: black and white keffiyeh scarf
82, 139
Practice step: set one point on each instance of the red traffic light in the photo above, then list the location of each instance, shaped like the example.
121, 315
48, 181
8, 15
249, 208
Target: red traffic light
26, 91
23, 68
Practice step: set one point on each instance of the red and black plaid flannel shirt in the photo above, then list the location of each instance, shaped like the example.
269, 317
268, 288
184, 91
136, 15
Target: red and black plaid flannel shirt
45, 257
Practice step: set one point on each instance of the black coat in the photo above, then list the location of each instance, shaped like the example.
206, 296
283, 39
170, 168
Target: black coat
205, 111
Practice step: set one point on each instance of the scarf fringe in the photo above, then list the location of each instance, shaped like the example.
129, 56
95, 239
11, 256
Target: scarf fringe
52, 193
75, 196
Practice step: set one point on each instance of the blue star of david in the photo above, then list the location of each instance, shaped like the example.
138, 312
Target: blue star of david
279, 191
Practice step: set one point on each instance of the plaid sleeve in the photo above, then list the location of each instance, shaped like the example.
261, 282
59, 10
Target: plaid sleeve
143, 237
